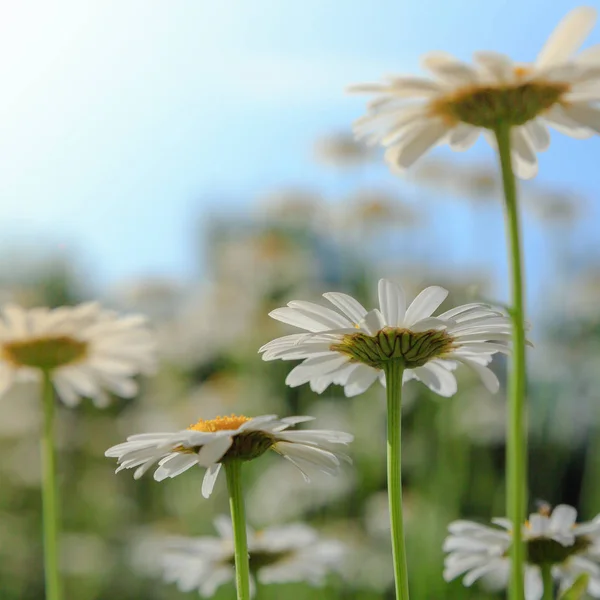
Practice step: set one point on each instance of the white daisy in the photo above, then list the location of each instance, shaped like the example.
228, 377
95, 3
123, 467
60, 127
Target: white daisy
213, 442
87, 350
351, 347
551, 538
285, 554
411, 115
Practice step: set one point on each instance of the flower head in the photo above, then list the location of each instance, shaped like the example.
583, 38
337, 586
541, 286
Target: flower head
212, 443
86, 349
411, 115
552, 538
352, 347
290, 553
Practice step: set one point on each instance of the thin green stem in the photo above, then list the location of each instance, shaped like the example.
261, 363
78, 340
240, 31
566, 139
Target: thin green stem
516, 445
393, 373
233, 470
547, 581
50, 494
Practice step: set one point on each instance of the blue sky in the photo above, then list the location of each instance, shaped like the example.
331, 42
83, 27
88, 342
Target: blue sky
122, 119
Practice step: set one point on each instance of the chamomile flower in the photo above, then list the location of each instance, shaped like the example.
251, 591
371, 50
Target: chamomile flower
87, 350
411, 115
211, 443
352, 346
552, 538
284, 554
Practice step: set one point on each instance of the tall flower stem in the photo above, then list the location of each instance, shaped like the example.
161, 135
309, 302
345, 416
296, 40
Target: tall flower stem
233, 470
516, 445
394, 370
50, 494
547, 581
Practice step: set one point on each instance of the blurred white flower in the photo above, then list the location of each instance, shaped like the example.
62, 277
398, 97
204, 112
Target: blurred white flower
411, 115
341, 150
212, 442
87, 350
552, 538
289, 553
350, 349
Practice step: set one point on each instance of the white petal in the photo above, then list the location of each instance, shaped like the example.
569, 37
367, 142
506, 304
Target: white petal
315, 367
590, 56
297, 319
563, 517
373, 322
437, 379
449, 68
499, 66
214, 451
402, 87
425, 304
490, 381
537, 135
392, 303
585, 115
567, 38
462, 137
210, 477
524, 159
414, 146
534, 587
557, 118
326, 316
360, 380
352, 308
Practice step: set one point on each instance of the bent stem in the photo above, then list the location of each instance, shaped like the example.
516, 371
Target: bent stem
233, 471
394, 370
547, 581
516, 445
50, 494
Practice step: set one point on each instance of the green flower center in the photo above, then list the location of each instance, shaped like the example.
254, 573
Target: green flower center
44, 353
544, 551
391, 343
489, 107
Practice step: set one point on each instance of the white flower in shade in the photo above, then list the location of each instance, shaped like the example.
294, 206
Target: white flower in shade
87, 350
411, 115
213, 442
552, 538
285, 554
351, 347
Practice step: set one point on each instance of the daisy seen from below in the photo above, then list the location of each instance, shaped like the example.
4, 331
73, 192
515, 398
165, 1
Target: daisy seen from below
77, 351
284, 554
559, 550
228, 442
560, 89
353, 347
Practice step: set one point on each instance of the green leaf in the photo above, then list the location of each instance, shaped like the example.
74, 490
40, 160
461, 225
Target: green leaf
578, 589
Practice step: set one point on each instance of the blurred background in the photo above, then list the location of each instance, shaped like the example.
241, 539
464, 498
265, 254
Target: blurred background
193, 161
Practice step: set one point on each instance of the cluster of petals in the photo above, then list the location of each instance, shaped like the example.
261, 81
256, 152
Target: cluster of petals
117, 348
478, 330
403, 119
177, 452
285, 554
478, 551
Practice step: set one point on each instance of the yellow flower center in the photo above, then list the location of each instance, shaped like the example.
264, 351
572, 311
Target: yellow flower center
247, 445
393, 343
488, 106
220, 423
44, 353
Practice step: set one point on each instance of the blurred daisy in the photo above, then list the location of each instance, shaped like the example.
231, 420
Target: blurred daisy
88, 351
553, 539
212, 443
351, 347
411, 115
285, 554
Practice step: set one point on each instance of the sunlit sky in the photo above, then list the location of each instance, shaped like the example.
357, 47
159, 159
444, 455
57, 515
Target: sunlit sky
122, 120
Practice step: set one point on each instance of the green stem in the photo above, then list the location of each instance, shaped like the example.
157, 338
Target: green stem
393, 374
548, 583
50, 494
516, 446
233, 470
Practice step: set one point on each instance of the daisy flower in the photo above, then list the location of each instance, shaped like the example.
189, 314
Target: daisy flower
411, 115
87, 350
553, 540
285, 554
351, 346
212, 443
